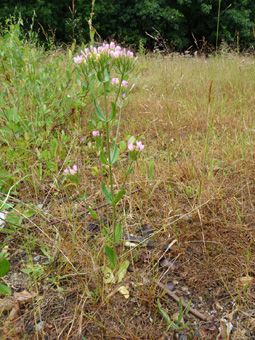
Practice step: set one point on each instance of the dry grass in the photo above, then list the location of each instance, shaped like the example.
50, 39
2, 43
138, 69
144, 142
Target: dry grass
202, 192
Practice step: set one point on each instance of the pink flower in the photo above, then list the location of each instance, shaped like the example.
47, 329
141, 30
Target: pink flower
109, 49
124, 83
112, 45
133, 85
140, 146
131, 146
115, 81
117, 54
95, 133
124, 95
71, 171
130, 54
79, 59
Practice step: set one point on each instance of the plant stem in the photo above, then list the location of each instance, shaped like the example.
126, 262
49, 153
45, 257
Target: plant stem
110, 168
117, 95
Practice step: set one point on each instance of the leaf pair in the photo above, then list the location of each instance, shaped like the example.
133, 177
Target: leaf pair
168, 320
109, 195
114, 156
109, 276
101, 115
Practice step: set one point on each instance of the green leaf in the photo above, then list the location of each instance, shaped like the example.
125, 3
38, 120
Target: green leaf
118, 233
7, 231
151, 166
106, 193
4, 267
169, 322
132, 155
113, 113
108, 275
28, 213
99, 111
14, 219
103, 158
188, 308
93, 214
111, 256
5, 290
180, 316
114, 154
119, 196
132, 140
122, 270
183, 326
122, 146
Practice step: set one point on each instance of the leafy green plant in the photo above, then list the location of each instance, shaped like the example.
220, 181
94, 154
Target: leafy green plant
176, 326
99, 68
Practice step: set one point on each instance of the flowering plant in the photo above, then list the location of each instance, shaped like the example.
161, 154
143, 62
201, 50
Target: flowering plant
109, 66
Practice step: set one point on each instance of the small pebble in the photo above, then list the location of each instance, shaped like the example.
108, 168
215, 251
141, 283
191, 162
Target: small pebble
39, 326
197, 334
37, 258
2, 218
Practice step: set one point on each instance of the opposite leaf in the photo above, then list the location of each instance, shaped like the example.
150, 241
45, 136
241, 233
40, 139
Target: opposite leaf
119, 196
118, 233
93, 214
122, 270
114, 155
106, 193
99, 111
111, 256
113, 113
103, 158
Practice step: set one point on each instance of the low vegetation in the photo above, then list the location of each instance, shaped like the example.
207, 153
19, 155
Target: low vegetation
131, 226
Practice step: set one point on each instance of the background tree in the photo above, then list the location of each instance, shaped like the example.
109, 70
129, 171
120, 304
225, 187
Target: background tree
177, 21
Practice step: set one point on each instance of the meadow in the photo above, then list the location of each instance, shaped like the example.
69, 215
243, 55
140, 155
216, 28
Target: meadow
92, 247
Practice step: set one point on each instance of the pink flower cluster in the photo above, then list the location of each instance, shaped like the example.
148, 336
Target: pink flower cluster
115, 81
110, 49
138, 147
71, 171
124, 83
95, 133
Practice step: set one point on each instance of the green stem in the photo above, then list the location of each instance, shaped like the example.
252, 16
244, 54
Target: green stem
110, 168
117, 95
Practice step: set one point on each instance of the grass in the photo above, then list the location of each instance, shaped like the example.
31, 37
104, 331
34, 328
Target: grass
194, 186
